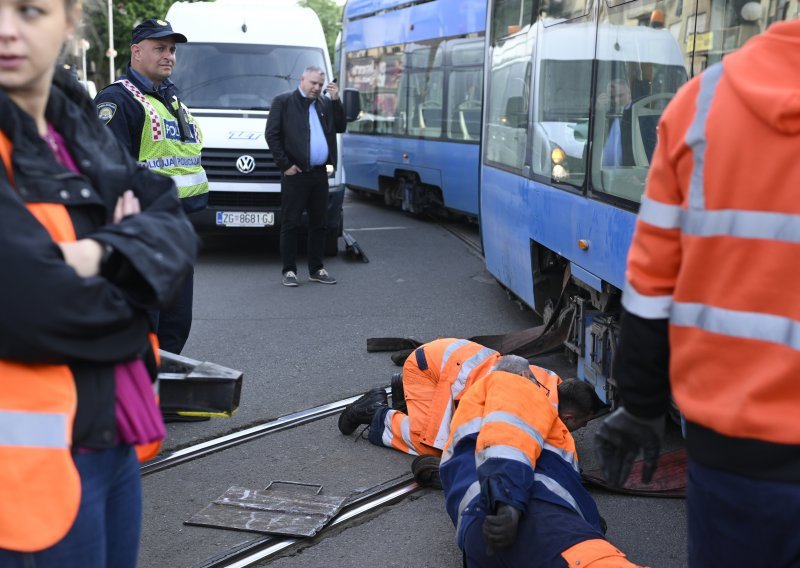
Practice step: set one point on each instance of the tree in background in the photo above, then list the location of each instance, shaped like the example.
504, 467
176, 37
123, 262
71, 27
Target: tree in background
330, 16
127, 15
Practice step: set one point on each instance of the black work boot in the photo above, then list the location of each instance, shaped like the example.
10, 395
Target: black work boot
398, 395
362, 410
426, 471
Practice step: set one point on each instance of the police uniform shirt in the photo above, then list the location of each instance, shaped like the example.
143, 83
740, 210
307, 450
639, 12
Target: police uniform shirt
120, 112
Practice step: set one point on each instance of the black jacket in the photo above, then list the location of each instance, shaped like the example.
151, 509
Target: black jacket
289, 135
50, 314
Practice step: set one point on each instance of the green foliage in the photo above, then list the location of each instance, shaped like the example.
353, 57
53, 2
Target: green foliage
330, 16
129, 13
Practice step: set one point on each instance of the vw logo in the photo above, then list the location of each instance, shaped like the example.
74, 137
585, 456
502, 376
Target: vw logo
246, 164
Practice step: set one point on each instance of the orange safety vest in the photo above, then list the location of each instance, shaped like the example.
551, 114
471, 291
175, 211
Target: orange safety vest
715, 252
40, 489
452, 364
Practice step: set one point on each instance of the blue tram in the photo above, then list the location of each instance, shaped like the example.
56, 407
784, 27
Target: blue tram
418, 67
573, 93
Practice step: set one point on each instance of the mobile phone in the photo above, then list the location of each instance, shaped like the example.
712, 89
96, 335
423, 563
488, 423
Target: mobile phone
325, 92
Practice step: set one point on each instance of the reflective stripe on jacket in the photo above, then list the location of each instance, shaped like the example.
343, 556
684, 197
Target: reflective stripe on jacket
402, 432
509, 445
447, 366
717, 241
161, 149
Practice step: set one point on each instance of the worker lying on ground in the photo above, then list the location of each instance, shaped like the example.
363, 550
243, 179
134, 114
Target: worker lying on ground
510, 475
435, 376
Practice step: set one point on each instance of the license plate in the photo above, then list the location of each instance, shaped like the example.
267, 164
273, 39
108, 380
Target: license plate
245, 218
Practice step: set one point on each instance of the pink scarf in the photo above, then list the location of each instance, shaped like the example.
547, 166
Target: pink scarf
139, 419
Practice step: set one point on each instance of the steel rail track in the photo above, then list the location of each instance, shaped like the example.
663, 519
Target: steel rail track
249, 434
455, 230
264, 547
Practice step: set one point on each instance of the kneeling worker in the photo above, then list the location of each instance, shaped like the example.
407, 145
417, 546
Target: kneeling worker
511, 479
435, 376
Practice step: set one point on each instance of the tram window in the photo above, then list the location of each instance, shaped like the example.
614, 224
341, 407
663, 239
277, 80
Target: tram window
556, 11
562, 118
361, 70
562, 102
377, 74
730, 24
425, 97
510, 17
507, 112
464, 87
424, 55
466, 52
639, 70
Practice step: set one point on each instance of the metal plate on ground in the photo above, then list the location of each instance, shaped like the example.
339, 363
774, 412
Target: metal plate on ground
269, 511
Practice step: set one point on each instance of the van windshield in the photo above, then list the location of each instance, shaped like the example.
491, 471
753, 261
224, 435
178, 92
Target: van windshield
239, 76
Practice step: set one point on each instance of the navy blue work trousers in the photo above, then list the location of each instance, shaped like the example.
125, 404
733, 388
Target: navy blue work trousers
306, 191
175, 322
545, 531
107, 529
737, 521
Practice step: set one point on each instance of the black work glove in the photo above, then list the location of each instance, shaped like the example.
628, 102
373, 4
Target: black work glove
618, 441
500, 529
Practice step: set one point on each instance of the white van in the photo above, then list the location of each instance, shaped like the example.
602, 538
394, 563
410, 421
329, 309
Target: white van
241, 53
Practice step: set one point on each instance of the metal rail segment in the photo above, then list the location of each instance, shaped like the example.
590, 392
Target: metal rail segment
229, 440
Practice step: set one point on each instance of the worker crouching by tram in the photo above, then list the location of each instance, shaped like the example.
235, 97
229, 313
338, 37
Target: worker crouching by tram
424, 396
712, 306
511, 479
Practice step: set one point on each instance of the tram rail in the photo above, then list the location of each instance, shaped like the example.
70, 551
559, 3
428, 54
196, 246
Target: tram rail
465, 235
264, 547
243, 436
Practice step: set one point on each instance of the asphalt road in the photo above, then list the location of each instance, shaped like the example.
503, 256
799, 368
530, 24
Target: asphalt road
301, 347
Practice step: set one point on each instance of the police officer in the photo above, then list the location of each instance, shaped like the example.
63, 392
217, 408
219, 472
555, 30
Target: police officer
144, 112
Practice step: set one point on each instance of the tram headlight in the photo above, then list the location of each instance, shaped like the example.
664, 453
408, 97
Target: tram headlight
560, 173
557, 155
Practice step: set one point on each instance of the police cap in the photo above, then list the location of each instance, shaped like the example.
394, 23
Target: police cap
154, 29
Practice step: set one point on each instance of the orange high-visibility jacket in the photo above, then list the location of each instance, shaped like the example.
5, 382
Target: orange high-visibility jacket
40, 495
433, 393
40, 490
442, 370
717, 243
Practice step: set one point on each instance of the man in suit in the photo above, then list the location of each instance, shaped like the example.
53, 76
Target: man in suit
301, 133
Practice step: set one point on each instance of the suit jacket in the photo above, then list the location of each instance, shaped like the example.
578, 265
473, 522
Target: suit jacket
289, 134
